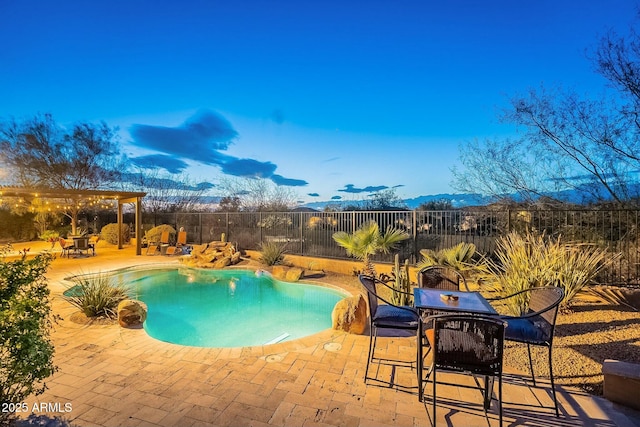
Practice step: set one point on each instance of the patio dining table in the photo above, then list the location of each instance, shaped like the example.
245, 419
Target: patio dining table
425, 299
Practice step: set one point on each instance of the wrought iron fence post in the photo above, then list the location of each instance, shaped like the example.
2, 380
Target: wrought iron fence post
300, 219
414, 229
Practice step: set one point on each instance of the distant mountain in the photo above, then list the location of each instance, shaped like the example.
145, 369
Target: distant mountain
457, 201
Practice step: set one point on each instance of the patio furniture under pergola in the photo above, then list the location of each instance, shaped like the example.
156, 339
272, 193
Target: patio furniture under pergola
121, 197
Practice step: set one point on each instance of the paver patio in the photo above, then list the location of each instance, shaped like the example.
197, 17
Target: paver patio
112, 376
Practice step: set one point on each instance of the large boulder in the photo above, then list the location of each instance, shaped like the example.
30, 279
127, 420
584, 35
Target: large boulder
279, 272
294, 274
350, 315
131, 313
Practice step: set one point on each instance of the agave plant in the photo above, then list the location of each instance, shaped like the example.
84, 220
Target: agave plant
367, 241
272, 253
98, 295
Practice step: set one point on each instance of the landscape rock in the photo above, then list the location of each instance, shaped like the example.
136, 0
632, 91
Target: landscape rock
279, 272
131, 313
212, 255
350, 315
294, 274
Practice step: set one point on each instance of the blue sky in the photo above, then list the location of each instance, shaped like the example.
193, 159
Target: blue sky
334, 98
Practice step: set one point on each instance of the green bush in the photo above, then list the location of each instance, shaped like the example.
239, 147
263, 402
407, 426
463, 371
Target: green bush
154, 234
26, 351
109, 233
50, 236
272, 253
97, 295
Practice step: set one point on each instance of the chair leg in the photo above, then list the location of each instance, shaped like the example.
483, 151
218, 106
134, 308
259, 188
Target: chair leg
553, 386
372, 337
500, 397
433, 420
488, 391
419, 363
531, 365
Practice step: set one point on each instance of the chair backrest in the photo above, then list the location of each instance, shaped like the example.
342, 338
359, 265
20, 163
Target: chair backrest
82, 243
468, 343
544, 303
369, 284
164, 237
63, 242
182, 238
442, 277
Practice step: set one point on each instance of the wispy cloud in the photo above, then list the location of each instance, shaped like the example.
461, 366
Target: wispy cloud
281, 180
313, 194
160, 161
332, 159
201, 138
350, 188
165, 183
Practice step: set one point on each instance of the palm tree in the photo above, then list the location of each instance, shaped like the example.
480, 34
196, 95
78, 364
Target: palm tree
367, 241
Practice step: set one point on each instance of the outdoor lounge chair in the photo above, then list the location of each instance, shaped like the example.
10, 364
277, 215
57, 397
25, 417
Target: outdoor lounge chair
385, 316
463, 344
536, 326
180, 242
153, 247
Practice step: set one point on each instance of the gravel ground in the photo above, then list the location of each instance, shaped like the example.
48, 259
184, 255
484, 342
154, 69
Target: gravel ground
586, 335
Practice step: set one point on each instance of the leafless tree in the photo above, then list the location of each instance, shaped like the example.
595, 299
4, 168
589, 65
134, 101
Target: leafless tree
40, 153
167, 192
567, 141
258, 194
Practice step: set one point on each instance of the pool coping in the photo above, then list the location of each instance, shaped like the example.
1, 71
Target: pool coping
270, 352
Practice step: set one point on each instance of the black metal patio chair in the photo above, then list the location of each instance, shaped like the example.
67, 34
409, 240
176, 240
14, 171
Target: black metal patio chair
536, 325
385, 315
442, 277
462, 344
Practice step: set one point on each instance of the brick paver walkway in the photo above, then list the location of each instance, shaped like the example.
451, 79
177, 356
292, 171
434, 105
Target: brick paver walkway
110, 376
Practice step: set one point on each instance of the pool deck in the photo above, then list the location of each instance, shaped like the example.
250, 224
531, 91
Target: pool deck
112, 376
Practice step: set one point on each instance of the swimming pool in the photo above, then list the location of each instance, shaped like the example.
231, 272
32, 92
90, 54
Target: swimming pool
228, 308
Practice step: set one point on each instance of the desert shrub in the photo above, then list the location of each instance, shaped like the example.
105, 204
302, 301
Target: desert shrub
26, 351
459, 257
49, 235
154, 234
97, 295
110, 233
531, 260
272, 253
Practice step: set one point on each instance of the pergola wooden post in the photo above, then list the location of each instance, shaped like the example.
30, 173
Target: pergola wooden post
138, 221
62, 193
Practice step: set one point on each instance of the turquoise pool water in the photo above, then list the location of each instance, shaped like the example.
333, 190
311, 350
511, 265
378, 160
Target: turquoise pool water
229, 308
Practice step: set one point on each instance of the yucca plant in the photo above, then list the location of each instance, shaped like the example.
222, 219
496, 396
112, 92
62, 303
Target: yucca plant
532, 260
367, 241
272, 253
98, 295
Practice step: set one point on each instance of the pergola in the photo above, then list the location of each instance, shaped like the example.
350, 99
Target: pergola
120, 196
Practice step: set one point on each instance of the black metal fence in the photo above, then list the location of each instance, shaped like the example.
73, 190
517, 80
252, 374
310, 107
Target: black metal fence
310, 233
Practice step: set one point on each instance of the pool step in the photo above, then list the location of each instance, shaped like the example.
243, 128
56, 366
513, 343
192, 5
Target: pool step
277, 339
